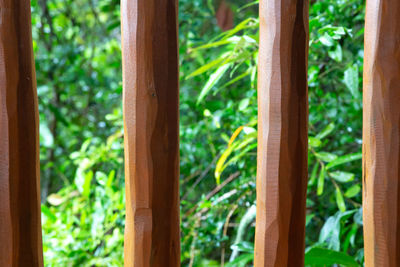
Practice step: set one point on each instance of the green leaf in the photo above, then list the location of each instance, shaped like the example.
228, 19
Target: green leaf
353, 191
342, 177
55, 199
208, 263
339, 200
46, 137
244, 103
313, 176
321, 181
336, 54
326, 40
244, 246
214, 78
241, 26
110, 179
330, 232
213, 64
101, 178
326, 131
351, 80
87, 183
241, 261
325, 257
344, 159
326, 156
314, 142
48, 213
309, 217
233, 39
234, 80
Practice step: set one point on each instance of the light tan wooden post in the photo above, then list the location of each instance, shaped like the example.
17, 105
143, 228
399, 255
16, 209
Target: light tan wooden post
381, 134
151, 114
282, 133
20, 227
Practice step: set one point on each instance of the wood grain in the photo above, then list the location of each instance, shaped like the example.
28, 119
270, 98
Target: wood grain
151, 115
20, 227
282, 133
381, 134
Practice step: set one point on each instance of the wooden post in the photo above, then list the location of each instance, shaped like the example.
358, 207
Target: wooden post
151, 115
282, 133
20, 227
381, 134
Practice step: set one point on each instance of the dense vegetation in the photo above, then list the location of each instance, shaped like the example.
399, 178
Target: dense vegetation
78, 60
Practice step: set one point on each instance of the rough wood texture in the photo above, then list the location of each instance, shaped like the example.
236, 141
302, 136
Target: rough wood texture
282, 133
151, 114
20, 227
381, 134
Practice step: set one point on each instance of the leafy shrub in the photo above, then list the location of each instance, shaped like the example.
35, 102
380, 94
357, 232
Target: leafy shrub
79, 78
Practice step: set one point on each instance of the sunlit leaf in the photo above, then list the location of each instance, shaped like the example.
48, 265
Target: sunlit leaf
344, 159
321, 181
326, 156
352, 191
55, 199
339, 200
214, 78
326, 39
342, 177
351, 80
314, 142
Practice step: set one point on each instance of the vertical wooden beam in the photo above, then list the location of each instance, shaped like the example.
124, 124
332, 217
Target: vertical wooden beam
20, 227
381, 134
151, 115
282, 133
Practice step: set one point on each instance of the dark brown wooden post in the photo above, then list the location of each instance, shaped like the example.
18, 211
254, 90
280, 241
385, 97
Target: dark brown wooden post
282, 133
20, 227
381, 134
151, 114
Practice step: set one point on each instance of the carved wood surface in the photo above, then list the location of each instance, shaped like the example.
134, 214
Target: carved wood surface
282, 133
151, 114
381, 134
20, 227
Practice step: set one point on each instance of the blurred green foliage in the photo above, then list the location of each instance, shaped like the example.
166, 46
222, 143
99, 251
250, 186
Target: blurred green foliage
78, 61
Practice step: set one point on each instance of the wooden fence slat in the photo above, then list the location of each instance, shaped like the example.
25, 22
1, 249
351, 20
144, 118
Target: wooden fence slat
20, 227
282, 133
381, 134
151, 115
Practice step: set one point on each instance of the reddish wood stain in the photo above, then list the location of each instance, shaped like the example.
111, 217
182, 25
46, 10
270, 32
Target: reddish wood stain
224, 16
381, 134
151, 114
20, 227
282, 133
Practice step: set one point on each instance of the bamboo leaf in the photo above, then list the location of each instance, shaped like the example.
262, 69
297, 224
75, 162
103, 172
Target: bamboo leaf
214, 78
